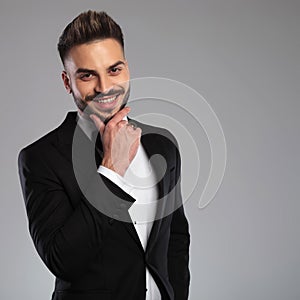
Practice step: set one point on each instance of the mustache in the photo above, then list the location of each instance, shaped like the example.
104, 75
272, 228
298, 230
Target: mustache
100, 95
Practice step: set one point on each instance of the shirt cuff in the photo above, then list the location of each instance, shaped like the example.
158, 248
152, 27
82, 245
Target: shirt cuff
115, 178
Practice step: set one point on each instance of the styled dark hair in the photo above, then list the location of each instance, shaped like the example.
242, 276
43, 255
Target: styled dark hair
87, 27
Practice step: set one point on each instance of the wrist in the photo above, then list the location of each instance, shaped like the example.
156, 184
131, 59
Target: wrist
107, 163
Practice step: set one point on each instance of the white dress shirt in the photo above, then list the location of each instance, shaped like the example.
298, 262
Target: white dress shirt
139, 182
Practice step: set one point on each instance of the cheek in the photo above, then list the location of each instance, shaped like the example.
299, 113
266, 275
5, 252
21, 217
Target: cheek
123, 77
126, 76
81, 90
124, 81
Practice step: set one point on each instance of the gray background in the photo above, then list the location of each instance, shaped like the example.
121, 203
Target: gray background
243, 57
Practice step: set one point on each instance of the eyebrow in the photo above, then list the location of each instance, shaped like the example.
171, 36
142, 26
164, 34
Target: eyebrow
84, 70
116, 64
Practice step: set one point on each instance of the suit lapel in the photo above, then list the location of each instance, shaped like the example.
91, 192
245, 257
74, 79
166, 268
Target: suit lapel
150, 143
76, 147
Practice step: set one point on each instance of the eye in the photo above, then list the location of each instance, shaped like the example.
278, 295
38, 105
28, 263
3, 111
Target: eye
115, 71
86, 76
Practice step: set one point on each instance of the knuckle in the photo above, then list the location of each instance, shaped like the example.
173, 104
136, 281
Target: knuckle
109, 125
122, 123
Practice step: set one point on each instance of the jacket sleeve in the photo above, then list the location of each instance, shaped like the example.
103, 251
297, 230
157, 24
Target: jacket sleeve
67, 238
178, 252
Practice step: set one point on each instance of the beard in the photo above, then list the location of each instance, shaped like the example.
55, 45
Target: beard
87, 107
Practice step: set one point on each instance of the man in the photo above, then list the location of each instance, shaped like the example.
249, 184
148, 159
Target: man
99, 231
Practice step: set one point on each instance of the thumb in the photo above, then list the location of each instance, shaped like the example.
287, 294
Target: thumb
98, 123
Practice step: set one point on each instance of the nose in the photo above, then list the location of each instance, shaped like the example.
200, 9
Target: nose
104, 84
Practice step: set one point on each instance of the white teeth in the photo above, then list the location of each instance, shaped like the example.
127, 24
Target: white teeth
108, 100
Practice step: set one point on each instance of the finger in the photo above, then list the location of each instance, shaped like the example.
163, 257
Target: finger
122, 123
119, 116
98, 123
138, 132
132, 124
130, 127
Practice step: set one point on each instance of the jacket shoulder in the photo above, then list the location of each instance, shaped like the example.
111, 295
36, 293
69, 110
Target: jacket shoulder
45, 139
43, 144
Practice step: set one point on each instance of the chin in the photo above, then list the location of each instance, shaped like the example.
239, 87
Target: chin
105, 117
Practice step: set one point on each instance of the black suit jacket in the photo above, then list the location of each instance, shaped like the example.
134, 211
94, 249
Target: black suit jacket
94, 253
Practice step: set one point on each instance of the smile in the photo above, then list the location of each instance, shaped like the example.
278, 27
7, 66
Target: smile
107, 100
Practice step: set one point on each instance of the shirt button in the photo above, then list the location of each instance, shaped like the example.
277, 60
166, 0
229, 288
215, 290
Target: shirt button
122, 205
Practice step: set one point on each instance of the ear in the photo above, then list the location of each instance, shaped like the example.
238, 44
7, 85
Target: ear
66, 81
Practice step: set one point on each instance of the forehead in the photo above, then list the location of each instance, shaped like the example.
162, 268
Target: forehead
95, 54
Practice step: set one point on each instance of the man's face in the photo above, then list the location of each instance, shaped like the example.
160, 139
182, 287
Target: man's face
97, 75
